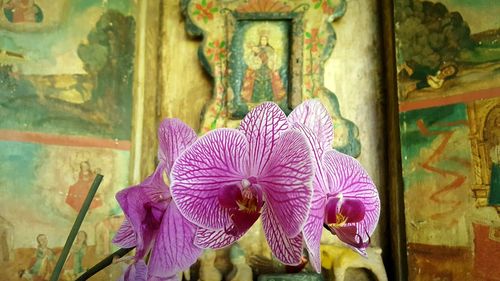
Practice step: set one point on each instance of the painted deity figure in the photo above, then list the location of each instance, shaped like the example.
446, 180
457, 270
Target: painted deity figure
78, 191
262, 81
21, 11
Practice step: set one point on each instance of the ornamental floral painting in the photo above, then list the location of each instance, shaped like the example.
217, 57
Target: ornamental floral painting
448, 86
66, 75
260, 51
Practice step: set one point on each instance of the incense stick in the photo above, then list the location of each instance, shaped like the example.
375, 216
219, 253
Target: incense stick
76, 228
103, 263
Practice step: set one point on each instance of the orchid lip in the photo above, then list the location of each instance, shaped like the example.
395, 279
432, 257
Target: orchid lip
243, 201
154, 215
340, 210
342, 215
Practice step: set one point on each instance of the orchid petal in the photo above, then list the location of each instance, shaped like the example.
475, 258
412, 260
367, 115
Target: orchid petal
320, 178
174, 137
133, 200
287, 250
313, 229
287, 180
156, 179
216, 160
262, 127
349, 235
137, 271
214, 239
174, 250
314, 224
242, 221
125, 236
314, 116
347, 177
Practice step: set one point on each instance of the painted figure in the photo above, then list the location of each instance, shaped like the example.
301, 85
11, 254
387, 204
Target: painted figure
44, 261
262, 82
75, 260
78, 191
427, 78
105, 230
6, 240
21, 11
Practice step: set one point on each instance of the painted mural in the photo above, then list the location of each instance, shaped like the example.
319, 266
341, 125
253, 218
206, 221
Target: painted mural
448, 56
67, 77
66, 74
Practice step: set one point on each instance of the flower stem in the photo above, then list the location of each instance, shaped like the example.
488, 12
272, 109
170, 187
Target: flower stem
104, 263
76, 227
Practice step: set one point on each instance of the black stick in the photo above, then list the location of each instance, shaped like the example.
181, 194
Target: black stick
104, 263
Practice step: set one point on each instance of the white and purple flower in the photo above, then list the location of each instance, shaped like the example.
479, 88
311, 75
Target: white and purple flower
277, 168
229, 178
344, 197
153, 221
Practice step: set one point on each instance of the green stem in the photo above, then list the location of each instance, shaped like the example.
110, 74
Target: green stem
76, 228
116, 255
103, 263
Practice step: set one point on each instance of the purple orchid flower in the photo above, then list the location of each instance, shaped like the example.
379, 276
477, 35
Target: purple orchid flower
229, 178
152, 218
344, 197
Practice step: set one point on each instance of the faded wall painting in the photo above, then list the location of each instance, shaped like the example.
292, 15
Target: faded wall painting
66, 75
259, 50
448, 56
62, 76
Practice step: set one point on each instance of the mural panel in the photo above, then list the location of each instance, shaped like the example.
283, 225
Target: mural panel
66, 77
448, 85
